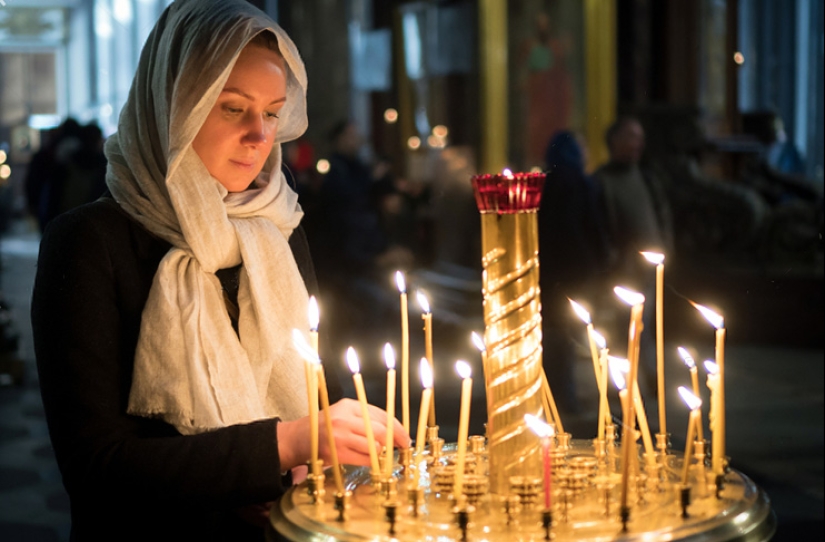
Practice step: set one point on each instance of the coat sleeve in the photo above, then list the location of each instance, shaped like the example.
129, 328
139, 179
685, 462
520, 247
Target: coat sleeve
80, 329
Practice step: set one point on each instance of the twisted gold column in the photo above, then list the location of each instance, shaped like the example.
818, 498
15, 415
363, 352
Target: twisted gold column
512, 318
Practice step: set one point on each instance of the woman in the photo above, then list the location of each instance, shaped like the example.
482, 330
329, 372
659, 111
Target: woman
162, 313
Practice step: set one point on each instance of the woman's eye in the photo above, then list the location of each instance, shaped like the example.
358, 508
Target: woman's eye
272, 115
233, 110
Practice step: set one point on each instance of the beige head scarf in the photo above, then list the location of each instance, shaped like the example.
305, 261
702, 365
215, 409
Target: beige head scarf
191, 368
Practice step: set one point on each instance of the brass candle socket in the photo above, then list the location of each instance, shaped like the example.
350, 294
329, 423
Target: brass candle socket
315, 487
684, 499
414, 496
342, 505
546, 522
463, 516
390, 512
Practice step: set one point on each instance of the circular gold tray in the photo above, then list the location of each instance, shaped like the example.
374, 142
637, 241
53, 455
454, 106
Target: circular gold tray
743, 513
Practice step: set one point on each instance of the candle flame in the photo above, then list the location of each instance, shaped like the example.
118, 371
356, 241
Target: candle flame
598, 338
621, 363
629, 296
507, 173
303, 347
616, 373
540, 428
716, 320
400, 282
581, 312
478, 342
422, 301
687, 357
711, 367
313, 314
463, 369
426, 373
653, 257
689, 398
352, 361
389, 356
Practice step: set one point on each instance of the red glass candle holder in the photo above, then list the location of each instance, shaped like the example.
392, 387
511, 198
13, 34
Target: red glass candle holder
508, 193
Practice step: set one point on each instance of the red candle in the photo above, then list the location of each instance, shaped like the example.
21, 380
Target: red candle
545, 432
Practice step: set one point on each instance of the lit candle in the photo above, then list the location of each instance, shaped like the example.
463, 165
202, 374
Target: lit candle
405, 352
312, 376
427, 316
638, 408
628, 432
389, 360
310, 355
354, 366
465, 372
333, 451
604, 408
306, 351
694, 378
659, 261
718, 322
594, 354
636, 300
426, 373
713, 415
545, 433
694, 404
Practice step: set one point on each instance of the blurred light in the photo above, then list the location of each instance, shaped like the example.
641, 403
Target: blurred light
122, 11
440, 131
3, 156
5, 171
739, 58
436, 142
103, 20
414, 142
322, 166
44, 122
535, 169
390, 116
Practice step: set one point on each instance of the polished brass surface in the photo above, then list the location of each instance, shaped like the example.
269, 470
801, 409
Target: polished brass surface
591, 512
512, 318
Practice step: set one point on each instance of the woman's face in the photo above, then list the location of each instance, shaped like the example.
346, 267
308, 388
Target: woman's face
237, 136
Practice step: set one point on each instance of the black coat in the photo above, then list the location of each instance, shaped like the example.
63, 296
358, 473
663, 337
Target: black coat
130, 477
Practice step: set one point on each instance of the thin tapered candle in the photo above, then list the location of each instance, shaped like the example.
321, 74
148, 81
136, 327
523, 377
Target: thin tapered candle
713, 413
694, 404
426, 395
307, 352
314, 317
598, 338
628, 432
591, 340
354, 366
548, 394
333, 451
427, 316
311, 359
638, 408
405, 352
482, 348
694, 379
389, 360
545, 433
718, 322
465, 372
659, 260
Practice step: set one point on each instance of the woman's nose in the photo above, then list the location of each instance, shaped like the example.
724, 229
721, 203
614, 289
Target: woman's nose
255, 132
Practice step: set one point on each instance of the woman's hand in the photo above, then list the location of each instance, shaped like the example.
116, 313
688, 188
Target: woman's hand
348, 430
